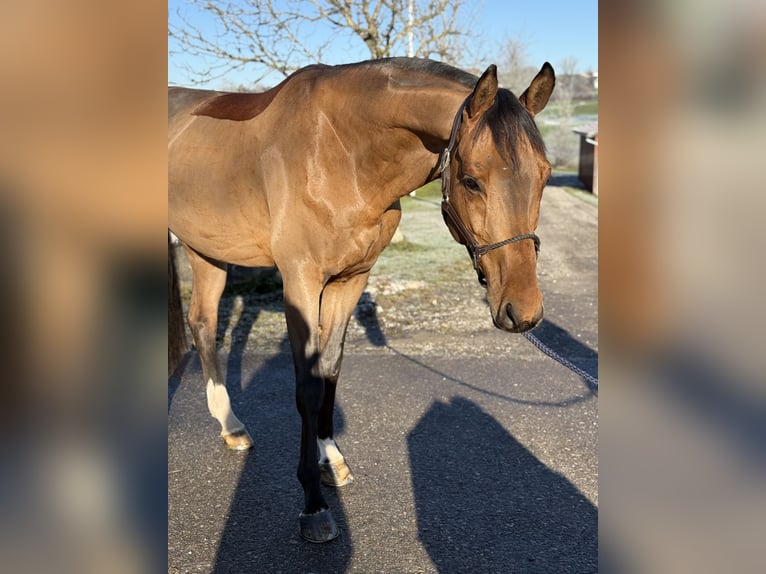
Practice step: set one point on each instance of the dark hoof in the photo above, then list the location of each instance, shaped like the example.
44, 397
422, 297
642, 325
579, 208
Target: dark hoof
239, 440
318, 527
335, 473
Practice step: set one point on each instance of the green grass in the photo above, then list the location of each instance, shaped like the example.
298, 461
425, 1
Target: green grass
431, 191
586, 108
546, 130
406, 247
580, 107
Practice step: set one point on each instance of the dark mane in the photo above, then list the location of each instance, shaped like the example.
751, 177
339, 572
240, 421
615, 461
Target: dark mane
427, 67
508, 120
434, 68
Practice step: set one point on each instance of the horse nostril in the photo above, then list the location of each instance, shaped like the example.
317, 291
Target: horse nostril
509, 312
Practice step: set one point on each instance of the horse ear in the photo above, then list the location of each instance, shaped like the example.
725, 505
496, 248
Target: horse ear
484, 93
535, 97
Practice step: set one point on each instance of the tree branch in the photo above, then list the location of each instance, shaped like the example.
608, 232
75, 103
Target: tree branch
269, 36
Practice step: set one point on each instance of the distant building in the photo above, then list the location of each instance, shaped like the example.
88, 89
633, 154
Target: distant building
592, 78
587, 170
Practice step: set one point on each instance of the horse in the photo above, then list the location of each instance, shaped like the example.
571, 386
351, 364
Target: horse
307, 177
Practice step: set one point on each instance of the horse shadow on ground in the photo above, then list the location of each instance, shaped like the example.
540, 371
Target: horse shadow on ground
484, 503
366, 313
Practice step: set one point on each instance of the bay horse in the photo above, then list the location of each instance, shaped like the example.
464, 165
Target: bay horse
307, 177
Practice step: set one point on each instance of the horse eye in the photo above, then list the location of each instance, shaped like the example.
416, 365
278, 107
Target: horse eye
471, 184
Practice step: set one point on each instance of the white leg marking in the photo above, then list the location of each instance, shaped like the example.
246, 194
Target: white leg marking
328, 451
220, 407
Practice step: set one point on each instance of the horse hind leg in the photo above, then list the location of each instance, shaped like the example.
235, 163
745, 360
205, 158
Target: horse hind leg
209, 280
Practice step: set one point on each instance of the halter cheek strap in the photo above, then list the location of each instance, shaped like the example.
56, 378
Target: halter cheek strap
452, 218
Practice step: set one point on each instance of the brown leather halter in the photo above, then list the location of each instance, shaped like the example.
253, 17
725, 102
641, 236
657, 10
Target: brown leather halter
453, 220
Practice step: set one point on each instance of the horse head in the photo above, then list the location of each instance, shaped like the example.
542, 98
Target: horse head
492, 188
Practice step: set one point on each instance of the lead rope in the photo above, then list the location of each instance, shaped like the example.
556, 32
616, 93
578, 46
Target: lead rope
558, 358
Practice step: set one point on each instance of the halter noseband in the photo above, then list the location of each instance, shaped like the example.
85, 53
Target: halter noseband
451, 217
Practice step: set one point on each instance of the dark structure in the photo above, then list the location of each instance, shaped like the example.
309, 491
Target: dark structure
587, 170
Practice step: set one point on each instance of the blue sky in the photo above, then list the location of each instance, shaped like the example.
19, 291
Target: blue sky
551, 29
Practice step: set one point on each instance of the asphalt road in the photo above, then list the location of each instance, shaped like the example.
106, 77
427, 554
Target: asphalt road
462, 463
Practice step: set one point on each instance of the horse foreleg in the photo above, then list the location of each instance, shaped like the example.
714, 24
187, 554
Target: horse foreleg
209, 279
302, 296
316, 323
339, 298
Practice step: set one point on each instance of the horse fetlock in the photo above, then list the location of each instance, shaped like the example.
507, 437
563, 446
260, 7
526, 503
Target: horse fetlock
328, 450
335, 473
239, 440
219, 405
333, 470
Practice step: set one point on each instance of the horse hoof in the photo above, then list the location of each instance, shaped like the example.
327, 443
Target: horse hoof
239, 440
318, 527
335, 473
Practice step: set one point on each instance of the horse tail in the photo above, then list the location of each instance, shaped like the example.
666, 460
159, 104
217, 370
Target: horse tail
177, 345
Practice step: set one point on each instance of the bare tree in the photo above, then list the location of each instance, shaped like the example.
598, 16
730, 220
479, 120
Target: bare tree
516, 71
566, 85
562, 142
281, 36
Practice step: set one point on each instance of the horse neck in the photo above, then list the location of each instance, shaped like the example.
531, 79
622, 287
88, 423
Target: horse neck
408, 127
427, 116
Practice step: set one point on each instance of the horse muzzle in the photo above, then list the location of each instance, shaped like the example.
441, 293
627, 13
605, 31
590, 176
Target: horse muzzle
514, 320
